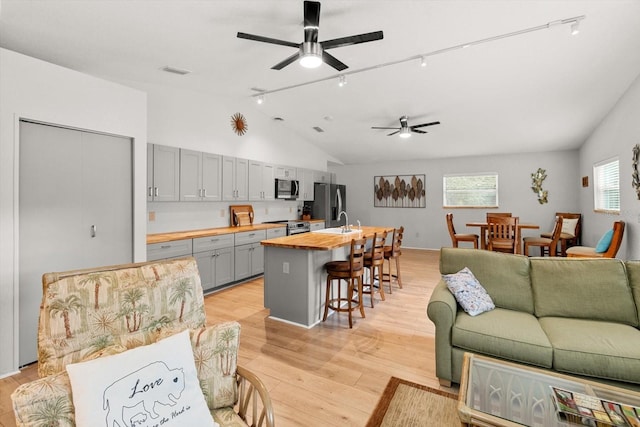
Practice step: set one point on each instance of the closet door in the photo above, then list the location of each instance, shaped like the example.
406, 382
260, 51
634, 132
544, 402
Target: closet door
75, 211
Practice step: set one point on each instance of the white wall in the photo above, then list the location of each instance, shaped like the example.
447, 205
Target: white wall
33, 89
427, 227
618, 133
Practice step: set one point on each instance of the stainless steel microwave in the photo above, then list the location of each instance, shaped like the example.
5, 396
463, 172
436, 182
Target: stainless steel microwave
287, 189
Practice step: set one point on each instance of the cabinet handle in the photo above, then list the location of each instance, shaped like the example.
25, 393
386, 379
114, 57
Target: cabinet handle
93, 231
155, 192
200, 192
150, 193
165, 246
204, 192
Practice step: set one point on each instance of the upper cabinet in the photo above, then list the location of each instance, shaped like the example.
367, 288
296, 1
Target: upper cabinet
306, 178
163, 173
320, 176
286, 172
261, 181
235, 179
200, 176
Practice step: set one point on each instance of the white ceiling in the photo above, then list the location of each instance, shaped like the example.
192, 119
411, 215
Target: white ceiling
539, 91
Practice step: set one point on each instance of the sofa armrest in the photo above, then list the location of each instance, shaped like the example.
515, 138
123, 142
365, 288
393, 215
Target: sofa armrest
253, 395
442, 310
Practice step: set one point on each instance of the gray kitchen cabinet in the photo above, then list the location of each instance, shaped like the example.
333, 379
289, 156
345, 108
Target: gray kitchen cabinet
261, 181
163, 173
200, 176
215, 256
249, 254
320, 176
276, 232
173, 249
316, 226
235, 179
286, 172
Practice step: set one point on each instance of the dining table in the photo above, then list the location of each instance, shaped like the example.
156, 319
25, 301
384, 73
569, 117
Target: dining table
483, 225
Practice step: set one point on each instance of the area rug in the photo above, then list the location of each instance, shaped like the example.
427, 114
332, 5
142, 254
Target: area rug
405, 403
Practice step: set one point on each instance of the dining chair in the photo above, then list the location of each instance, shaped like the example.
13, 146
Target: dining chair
610, 243
547, 245
489, 215
504, 234
457, 238
373, 260
351, 271
571, 231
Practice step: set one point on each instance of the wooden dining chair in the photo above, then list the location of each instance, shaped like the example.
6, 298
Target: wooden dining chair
457, 238
547, 245
504, 234
610, 252
571, 231
489, 215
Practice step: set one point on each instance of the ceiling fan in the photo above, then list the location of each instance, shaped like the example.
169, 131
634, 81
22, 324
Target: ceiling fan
405, 130
311, 52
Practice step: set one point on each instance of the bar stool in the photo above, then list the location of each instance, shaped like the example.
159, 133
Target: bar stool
351, 271
393, 252
373, 260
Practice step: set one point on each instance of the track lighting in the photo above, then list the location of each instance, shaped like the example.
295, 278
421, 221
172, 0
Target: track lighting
423, 61
260, 99
575, 28
342, 80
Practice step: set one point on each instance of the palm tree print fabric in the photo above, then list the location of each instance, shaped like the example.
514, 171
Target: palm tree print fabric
85, 313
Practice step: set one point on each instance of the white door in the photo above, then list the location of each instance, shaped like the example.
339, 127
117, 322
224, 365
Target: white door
75, 211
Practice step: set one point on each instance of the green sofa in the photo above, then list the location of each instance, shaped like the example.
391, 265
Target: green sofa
575, 316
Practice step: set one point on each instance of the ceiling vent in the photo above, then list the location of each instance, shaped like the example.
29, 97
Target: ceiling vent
174, 70
318, 129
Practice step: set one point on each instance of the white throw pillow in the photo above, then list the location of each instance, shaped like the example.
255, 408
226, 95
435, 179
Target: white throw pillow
147, 386
469, 293
569, 226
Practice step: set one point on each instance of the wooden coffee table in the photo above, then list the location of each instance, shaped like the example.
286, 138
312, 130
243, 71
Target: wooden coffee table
498, 393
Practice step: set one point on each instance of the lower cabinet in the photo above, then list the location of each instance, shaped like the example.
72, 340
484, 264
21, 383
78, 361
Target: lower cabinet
215, 258
249, 254
173, 249
316, 225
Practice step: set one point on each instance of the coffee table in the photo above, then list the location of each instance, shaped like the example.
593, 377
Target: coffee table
499, 393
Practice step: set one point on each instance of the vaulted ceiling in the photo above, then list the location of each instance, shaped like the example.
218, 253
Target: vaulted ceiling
532, 91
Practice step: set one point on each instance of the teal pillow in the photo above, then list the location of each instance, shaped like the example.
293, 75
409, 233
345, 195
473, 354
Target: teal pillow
605, 242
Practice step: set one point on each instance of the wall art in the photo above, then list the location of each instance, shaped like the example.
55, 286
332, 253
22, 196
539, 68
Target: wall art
399, 191
536, 185
634, 165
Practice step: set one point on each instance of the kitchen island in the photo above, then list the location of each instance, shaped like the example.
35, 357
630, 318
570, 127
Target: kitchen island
294, 275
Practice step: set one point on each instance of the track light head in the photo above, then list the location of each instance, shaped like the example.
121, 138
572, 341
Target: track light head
575, 28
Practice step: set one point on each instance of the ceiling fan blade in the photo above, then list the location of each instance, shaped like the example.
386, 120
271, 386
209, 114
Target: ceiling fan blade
289, 60
333, 61
425, 124
418, 131
377, 127
311, 21
347, 41
393, 133
267, 40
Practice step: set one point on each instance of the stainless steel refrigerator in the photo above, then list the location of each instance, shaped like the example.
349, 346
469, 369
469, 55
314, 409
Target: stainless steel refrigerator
329, 200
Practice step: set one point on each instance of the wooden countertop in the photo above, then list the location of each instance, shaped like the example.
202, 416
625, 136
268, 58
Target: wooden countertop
322, 241
192, 234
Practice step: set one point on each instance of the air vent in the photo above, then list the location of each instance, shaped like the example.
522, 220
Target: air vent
278, 119
174, 70
318, 129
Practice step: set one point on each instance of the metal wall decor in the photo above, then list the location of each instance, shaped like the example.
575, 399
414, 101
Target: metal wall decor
536, 185
239, 124
635, 177
399, 191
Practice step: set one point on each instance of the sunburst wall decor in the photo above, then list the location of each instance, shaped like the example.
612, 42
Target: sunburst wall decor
239, 124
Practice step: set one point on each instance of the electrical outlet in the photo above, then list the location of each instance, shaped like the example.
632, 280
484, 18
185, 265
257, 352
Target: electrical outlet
152, 216
285, 267
266, 211
221, 213
290, 209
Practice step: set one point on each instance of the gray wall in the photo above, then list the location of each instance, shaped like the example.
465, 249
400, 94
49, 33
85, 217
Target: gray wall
427, 228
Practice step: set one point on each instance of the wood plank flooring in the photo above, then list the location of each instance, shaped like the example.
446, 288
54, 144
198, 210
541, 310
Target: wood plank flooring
329, 374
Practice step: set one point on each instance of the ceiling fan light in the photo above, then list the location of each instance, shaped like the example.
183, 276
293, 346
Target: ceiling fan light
405, 133
310, 55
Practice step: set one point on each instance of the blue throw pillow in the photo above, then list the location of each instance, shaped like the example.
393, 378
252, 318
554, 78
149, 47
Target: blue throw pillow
605, 242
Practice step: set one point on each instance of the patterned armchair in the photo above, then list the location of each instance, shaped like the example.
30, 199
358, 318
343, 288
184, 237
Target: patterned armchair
88, 314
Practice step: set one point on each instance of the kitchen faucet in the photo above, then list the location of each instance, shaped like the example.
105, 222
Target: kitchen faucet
346, 228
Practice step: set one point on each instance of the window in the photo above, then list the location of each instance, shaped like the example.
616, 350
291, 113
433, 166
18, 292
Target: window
606, 188
477, 191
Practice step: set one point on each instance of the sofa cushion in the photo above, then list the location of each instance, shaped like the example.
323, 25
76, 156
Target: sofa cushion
156, 381
506, 334
595, 289
594, 348
633, 273
509, 286
469, 293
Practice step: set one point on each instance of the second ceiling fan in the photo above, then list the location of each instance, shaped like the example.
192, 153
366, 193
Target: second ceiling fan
311, 52
405, 130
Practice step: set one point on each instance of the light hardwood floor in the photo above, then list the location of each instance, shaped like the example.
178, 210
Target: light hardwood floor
328, 375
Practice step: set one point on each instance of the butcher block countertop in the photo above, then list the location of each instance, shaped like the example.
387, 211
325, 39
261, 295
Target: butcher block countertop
207, 232
321, 241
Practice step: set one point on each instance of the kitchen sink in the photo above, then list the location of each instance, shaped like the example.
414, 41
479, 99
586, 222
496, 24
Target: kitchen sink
336, 230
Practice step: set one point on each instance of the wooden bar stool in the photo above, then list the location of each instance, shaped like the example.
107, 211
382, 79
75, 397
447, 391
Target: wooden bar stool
393, 252
373, 260
351, 271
